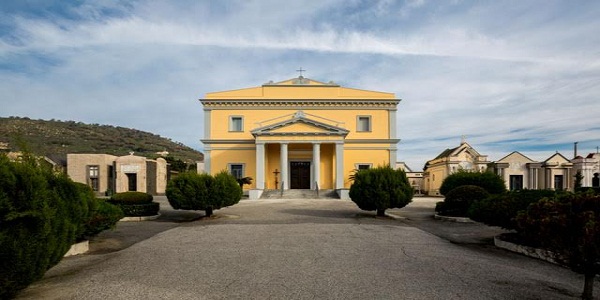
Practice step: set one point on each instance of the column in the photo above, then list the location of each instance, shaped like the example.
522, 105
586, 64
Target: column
316, 165
260, 166
339, 166
284, 166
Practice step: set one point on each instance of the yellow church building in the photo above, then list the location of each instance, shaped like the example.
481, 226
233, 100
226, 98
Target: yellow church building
298, 134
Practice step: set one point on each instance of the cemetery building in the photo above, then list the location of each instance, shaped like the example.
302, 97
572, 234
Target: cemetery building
463, 157
107, 174
589, 167
521, 172
298, 134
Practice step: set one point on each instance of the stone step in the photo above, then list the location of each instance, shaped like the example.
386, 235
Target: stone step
299, 194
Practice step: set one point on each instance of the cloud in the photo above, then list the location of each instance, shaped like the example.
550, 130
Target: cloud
458, 67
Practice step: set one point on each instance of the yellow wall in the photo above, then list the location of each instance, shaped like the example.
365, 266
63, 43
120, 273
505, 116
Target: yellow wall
353, 157
221, 158
220, 121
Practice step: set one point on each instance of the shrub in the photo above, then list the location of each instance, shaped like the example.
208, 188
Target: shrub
458, 200
568, 227
225, 190
195, 191
595, 190
140, 210
380, 188
489, 181
131, 198
41, 213
501, 210
104, 217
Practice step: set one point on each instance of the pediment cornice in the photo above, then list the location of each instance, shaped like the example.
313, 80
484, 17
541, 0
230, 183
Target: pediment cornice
320, 128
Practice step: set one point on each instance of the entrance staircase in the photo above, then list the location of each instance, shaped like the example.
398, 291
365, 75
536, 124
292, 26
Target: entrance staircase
299, 194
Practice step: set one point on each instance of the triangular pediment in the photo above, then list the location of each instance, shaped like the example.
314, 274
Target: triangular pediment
299, 124
556, 158
515, 156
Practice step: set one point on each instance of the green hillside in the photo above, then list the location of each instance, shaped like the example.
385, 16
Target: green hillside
59, 138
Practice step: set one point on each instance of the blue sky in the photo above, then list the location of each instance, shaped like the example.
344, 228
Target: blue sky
510, 75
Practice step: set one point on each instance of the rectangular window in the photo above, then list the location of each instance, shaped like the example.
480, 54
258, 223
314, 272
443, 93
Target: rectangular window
363, 123
93, 174
363, 166
237, 170
236, 123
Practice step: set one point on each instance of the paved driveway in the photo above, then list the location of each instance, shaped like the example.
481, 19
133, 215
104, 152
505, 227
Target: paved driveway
302, 249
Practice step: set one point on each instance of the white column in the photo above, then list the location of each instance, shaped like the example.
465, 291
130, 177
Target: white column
339, 166
316, 165
284, 166
260, 166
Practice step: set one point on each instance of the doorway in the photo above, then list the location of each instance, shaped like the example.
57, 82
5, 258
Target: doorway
300, 175
131, 182
558, 182
516, 182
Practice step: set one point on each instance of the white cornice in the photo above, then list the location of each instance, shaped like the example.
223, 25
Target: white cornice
238, 103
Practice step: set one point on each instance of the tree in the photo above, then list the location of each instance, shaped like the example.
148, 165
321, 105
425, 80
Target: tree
578, 178
244, 180
380, 188
193, 191
41, 215
568, 228
491, 182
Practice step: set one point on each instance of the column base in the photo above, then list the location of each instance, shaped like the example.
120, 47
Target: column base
344, 194
255, 194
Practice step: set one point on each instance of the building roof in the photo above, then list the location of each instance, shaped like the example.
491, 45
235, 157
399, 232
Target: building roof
515, 153
299, 88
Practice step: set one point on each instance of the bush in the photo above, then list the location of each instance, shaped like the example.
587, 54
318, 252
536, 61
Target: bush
104, 217
568, 227
131, 198
489, 181
501, 210
195, 191
595, 190
458, 200
380, 188
41, 214
140, 210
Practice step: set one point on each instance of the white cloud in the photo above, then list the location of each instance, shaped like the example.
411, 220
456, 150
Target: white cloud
532, 75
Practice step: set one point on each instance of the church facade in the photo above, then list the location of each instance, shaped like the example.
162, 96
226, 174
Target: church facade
298, 134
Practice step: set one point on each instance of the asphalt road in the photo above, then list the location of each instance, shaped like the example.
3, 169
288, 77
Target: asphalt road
302, 249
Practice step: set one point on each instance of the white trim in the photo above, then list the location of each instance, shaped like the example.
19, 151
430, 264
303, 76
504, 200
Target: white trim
356, 165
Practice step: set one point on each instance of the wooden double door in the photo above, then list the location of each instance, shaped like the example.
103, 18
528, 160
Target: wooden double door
300, 175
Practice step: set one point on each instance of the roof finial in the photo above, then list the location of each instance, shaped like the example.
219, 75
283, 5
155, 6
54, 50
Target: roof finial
300, 71
463, 139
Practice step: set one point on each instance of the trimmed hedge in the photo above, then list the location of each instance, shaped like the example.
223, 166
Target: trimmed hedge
104, 217
380, 188
458, 200
140, 210
501, 210
489, 181
194, 191
41, 214
131, 198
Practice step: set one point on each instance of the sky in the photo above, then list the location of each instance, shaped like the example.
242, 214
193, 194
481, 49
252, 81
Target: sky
509, 75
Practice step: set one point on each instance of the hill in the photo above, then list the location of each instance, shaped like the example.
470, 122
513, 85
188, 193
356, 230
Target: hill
59, 138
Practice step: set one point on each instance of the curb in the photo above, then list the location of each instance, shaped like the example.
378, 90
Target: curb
453, 219
525, 250
78, 248
395, 217
139, 219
